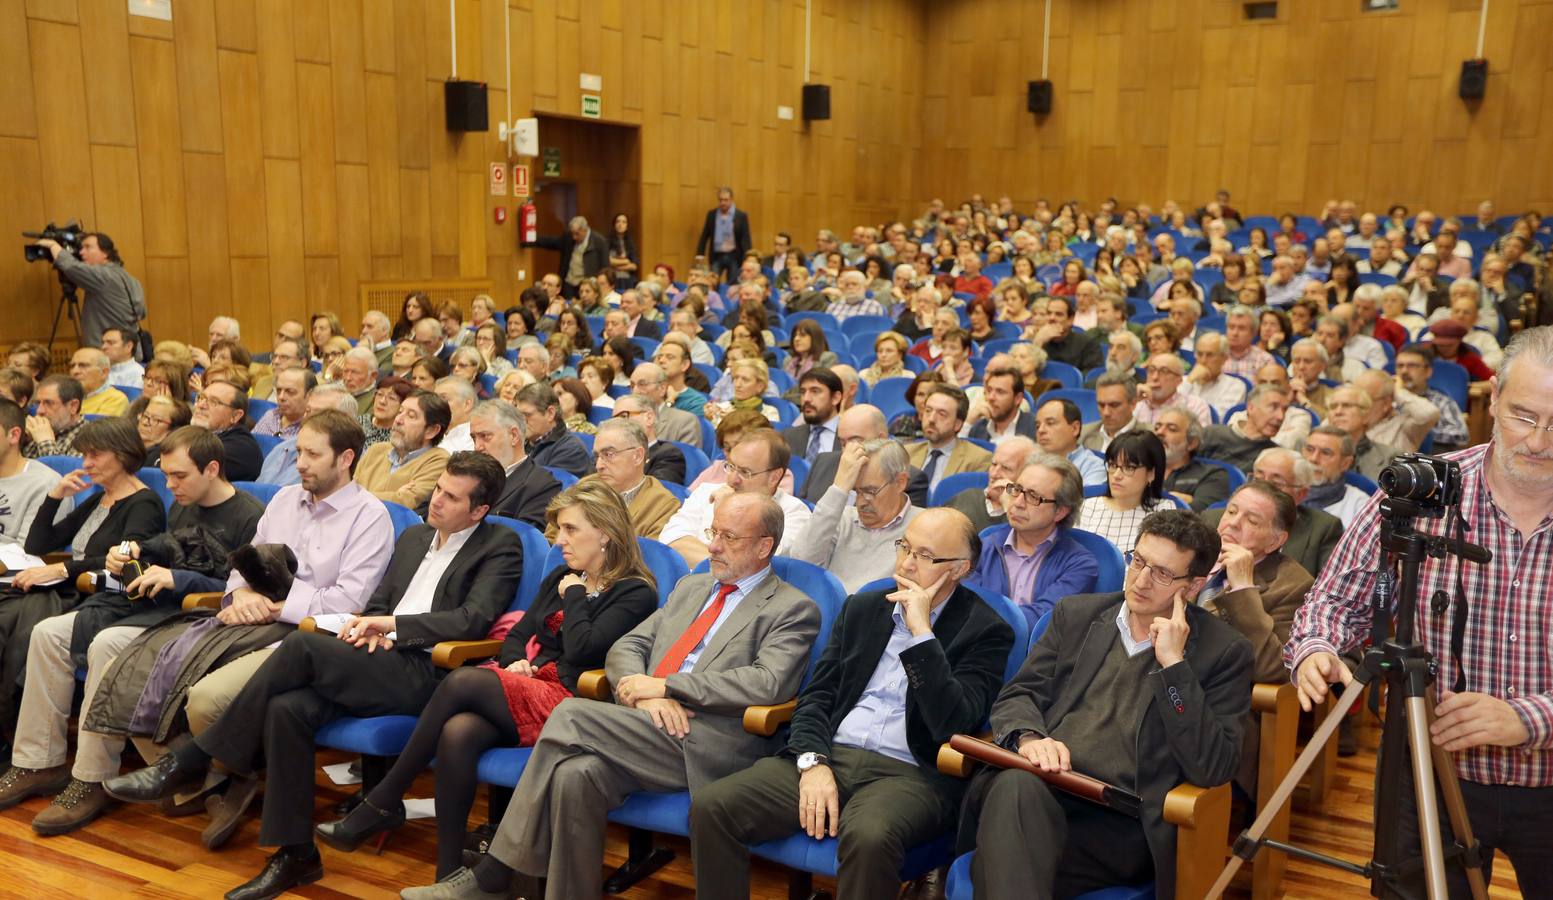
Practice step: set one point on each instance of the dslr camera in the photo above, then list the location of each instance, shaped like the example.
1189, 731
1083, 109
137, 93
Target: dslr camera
68, 237
1429, 482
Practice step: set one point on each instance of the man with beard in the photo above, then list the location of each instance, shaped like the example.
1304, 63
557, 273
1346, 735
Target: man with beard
405, 469
221, 407
1197, 484
941, 452
1330, 451
998, 416
819, 400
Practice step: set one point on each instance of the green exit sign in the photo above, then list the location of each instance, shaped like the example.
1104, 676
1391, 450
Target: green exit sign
591, 106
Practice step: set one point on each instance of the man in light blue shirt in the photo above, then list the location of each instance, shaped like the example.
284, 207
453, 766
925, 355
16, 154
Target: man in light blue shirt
280, 464
1057, 427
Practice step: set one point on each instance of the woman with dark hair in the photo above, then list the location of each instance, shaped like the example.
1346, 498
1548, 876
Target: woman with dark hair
876, 275
1227, 292
602, 590
1288, 225
520, 327
1342, 281
1072, 274
166, 377
155, 416
417, 306
575, 400
322, 327
1275, 333
572, 323
112, 452
623, 258
426, 371
1257, 244
982, 311
391, 394
596, 376
809, 349
1135, 484
491, 341
622, 355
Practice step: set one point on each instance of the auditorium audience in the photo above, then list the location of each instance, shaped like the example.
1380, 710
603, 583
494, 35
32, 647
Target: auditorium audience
621, 454
280, 464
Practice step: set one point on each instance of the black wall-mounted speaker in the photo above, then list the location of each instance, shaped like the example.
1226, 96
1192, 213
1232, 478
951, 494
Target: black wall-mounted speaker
1039, 97
465, 102
1474, 79
816, 101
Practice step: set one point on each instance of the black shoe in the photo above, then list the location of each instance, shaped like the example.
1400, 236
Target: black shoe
154, 783
361, 825
285, 870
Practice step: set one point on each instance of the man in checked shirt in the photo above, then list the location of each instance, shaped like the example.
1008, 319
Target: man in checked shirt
1500, 730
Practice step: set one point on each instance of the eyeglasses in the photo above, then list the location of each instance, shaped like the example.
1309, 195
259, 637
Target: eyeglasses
744, 473
1160, 576
1013, 492
1521, 426
727, 537
904, 549
1124, 468
207, 400
1161, 370
608, 454
148, 419
869, 492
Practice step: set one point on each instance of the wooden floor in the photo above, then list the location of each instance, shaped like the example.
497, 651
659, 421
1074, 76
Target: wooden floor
134, 852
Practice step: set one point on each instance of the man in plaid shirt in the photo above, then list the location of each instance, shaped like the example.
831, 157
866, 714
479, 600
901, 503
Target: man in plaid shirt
1500, 730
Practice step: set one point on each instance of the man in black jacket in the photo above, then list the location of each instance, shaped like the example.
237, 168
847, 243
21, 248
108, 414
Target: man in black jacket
497, 430
903, 671
860, 423
1142, 689
449, 580
549, 443
584, 253
725, 237
221, 407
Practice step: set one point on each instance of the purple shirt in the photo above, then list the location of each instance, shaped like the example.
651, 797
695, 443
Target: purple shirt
342, 544
1021, 569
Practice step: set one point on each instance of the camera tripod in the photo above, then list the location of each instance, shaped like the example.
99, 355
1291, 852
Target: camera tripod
69, 305
1408, 672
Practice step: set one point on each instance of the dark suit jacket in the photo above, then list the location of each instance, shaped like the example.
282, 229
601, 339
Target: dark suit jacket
798, 438
1190, 731
527, 493
595, 257
475, 589
647, 328
951, 681
562, 450
666, 462
822, 474
589, 628
1025, 425
244, 459
1313, 539
741, 233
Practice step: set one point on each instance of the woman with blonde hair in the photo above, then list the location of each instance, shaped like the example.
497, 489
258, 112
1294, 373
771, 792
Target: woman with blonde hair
602, 590
509, 385
166, 376
749, 378
482, 311
491, 341
469, 365
889, 359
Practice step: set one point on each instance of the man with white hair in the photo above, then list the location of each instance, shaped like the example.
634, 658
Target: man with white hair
1285, 283
1398, 416
683, 321
1116, 396
861, 515
1367, 322
535, 360
621, 457
664, 460
1208, 380
1243, 357
584, 253
850, 297
461, 398
1329, 450
499, 432
377, 336
89, 366
1307, 366
984, 505
636, 306
358, 372
1239, 444
860, 423
673, 424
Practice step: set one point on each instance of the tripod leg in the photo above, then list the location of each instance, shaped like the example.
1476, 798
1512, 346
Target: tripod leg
1422, 756
1455, 807
1264, 819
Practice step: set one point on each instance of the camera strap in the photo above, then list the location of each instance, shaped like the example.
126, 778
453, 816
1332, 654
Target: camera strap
1459, 614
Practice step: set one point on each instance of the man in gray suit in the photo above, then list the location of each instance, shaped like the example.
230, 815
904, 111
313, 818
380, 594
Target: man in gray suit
735, 638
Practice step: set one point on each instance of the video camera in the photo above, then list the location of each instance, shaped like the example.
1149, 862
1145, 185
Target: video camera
1429, 484
68, 237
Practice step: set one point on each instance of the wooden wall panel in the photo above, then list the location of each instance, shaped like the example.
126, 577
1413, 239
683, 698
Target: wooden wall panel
161, 148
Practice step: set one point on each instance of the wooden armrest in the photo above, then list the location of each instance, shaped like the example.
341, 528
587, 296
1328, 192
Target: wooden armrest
1277, 711
452, 654
62, 556
210, 600
308, 625
86, 582
953, 763
594, 685
1201, 817
1272, 697
765, 720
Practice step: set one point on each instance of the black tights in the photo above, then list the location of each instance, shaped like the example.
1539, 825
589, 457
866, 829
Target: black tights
466, 716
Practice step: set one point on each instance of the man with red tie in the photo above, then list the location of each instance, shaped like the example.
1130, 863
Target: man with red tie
737, 637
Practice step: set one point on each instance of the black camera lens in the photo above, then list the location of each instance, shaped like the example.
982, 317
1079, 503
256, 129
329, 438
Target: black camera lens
1409, 480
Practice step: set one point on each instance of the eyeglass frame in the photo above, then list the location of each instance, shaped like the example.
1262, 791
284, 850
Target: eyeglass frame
902, 548
712, 534
145, 418
1012, 489
608, 454
1138, 564
746, 474
1112, 465
1529, 424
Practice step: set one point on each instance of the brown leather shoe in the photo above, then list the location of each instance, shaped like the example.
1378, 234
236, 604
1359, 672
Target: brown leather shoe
226, 810
80, 803
19, 783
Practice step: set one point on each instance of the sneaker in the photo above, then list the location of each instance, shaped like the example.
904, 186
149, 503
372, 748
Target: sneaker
80, 803
20, 783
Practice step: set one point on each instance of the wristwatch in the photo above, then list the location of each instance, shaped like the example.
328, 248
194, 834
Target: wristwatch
807, 761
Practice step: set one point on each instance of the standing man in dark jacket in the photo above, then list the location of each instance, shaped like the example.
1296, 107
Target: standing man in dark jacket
448, 580
1142, 689
584, 254
903, 671
725, 237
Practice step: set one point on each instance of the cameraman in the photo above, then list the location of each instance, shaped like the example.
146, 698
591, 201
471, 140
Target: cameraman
1500, 730
114, 299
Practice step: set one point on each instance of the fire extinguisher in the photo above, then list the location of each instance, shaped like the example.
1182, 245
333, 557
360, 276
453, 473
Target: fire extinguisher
528, 223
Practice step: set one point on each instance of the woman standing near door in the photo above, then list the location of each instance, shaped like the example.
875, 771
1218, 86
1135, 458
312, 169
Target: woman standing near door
623, 257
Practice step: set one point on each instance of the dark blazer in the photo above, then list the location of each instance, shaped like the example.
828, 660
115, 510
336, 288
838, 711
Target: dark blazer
822, 474
666, 462
647, 328
595, 256
588, 630
244, 459
474, 590
562, 450
798, 439
1024, 424
527, 493
1312, 541
741, 233
1207, 484
137, 517
1191, 728
951, 681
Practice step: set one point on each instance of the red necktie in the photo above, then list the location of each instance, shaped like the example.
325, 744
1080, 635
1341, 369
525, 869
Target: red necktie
675, 658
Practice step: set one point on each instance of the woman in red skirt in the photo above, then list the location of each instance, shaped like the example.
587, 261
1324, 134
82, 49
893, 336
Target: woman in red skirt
603, 591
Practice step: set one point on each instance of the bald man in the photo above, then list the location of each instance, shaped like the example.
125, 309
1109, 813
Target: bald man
860, 423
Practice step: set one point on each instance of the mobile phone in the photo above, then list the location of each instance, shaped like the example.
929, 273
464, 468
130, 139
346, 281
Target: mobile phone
132, 570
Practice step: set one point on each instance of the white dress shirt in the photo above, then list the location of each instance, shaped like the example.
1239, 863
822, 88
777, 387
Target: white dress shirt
419, 595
